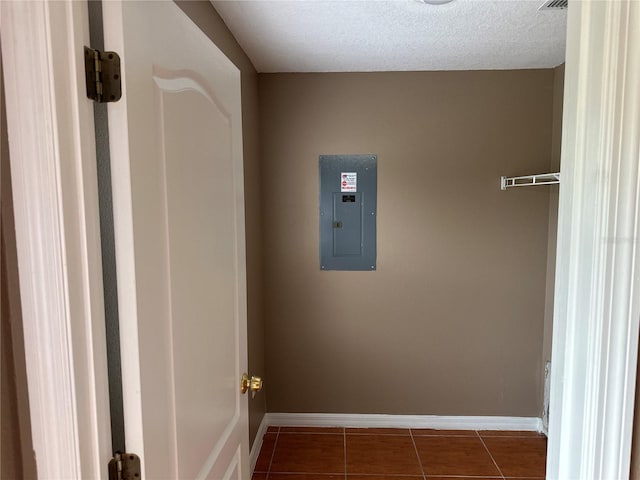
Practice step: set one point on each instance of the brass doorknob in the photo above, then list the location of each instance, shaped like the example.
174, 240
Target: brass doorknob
254, 383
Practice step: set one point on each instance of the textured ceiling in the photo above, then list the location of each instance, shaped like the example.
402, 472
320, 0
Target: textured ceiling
397, 35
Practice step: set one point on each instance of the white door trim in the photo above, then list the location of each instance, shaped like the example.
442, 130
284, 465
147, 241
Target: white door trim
597, 296
50, 126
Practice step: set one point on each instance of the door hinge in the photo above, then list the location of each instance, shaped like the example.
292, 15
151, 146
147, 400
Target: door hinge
124, 466
102, 71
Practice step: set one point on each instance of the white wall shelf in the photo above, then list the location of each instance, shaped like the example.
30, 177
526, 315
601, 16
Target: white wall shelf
527, 180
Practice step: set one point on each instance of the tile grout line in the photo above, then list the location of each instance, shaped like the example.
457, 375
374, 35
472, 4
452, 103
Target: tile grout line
400, 475
415, 449
273, 454
319, 474
344, 442
491, 456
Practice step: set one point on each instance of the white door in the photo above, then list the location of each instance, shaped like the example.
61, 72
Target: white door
176, 152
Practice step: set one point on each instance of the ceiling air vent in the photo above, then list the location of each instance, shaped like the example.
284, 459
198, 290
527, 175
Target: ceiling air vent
554, 5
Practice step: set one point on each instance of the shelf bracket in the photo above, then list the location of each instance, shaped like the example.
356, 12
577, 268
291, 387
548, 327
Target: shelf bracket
527, 180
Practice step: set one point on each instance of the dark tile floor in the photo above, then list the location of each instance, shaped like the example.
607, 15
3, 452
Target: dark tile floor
300, 453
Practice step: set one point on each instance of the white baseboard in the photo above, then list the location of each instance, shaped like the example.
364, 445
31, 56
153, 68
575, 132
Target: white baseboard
403, 421
257, 442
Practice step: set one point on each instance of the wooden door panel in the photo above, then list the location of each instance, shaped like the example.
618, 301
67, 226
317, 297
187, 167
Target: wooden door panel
178, 193
201, 261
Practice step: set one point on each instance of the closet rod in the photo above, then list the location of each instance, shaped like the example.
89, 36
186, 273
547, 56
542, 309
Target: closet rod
526, 180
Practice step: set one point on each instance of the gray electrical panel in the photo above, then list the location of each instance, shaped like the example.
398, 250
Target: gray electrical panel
348, 202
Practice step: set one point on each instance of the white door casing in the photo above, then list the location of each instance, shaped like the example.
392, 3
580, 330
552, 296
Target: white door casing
55, 194
597, 294
176, 150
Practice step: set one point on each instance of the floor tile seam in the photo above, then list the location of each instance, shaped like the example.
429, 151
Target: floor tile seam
407, 475
273, 453
441, 431
524, 478
364, 431
490, 455
310, 433
327, 430
404, 434
415, 449
473, 477
344, 450
462, 476
306, 473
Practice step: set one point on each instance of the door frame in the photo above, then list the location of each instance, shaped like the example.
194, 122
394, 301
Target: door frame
597, 295
53, 170
56, 208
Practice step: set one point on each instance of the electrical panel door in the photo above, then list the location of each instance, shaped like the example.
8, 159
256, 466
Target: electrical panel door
347, 224
348, 186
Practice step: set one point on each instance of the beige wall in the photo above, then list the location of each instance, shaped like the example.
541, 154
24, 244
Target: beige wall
552, 240
556, 143
205, 16
452, 321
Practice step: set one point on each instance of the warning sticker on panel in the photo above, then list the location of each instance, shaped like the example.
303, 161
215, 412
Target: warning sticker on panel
348, 182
